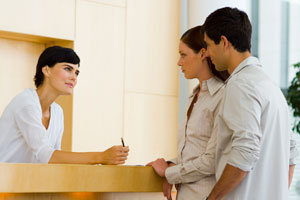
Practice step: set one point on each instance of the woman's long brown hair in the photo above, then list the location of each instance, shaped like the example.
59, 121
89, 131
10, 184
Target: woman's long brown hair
194, 39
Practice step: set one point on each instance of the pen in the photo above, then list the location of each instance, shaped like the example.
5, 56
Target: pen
122, 142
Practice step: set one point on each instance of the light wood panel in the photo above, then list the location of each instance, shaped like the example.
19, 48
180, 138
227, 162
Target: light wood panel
19, 54
18, 61
51, 18
150, 127
33, 178
98, 97
152, 39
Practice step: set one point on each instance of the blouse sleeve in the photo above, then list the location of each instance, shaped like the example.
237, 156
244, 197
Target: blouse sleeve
202, 166
30, 125
195, 169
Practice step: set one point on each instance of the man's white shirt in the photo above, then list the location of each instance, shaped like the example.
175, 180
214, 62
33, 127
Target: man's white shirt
255, 134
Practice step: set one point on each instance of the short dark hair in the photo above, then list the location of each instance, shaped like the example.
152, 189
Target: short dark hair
232, 23
194, 39
50, 57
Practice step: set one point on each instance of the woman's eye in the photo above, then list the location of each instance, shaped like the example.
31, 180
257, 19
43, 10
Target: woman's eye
77, 73
68, 69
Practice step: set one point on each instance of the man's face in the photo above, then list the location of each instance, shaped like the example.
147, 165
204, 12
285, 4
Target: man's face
215, 52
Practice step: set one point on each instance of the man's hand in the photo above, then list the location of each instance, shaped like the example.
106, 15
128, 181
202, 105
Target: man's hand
167, 189
291, 172
159, 166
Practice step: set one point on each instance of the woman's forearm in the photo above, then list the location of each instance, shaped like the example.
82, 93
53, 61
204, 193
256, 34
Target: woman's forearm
113, 156
76, 157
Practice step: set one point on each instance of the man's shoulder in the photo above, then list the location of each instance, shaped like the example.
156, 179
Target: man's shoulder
251, 77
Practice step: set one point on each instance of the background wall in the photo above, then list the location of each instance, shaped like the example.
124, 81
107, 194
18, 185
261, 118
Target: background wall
128, 81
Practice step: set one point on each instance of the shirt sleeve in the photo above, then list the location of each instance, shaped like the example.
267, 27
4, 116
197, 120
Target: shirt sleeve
30, 125
200, 167
242, 113
293, 150
174, 160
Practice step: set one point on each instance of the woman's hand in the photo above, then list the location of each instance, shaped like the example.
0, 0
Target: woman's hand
114, 156
159, 166
167, 189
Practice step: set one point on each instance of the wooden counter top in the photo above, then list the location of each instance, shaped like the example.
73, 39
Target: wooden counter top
47, 178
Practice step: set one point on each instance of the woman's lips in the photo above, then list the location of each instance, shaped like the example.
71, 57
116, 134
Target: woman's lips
71, 85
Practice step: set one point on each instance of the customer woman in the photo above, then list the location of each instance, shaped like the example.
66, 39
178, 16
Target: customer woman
32, 124
194, 168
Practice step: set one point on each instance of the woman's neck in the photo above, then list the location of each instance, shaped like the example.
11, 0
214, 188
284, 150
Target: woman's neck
204, 75
46, 97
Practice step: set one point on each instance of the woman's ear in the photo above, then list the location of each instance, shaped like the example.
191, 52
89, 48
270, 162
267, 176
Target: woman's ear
203, 53
46, 71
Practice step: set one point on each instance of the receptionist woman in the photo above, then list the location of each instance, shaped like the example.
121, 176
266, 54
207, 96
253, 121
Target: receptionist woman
194, 168
32, 124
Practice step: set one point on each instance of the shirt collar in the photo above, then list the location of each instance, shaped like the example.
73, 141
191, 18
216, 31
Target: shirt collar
251, 60
212, 85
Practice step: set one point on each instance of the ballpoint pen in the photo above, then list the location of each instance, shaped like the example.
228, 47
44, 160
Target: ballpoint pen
122, 142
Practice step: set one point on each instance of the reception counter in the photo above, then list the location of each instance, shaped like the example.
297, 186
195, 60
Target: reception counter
61, 181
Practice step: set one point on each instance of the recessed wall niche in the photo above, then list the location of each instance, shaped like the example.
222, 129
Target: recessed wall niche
18, 58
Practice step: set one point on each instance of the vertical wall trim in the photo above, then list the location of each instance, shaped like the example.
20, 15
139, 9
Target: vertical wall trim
124, 70
285, 27
255, 27
183, 83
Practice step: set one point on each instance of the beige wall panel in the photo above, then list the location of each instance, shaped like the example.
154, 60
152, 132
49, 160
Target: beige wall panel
52, 18
152, 46
150, 127
18, 60
121, 3
98, 97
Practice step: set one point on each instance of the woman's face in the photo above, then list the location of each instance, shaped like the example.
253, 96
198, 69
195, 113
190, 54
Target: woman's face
62, 77
189, 61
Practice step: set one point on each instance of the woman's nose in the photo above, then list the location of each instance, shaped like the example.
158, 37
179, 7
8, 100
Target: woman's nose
74, 76
179, 63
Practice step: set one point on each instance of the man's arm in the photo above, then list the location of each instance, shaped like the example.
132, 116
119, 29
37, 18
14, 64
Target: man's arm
230, 178
291, 172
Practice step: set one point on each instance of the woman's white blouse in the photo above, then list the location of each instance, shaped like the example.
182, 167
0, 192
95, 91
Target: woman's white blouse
197, 137
23, 137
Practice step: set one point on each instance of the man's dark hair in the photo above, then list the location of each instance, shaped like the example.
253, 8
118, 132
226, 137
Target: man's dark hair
232, 23
194, 39
50, 57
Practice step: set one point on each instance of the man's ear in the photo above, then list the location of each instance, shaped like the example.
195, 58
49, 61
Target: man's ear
46, 71
225, 42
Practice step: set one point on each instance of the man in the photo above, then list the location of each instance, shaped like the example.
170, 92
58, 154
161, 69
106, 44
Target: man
255, 155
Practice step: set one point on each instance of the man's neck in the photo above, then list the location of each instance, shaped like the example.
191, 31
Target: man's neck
235, 59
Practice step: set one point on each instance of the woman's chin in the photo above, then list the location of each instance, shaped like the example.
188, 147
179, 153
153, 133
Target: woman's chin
67, 92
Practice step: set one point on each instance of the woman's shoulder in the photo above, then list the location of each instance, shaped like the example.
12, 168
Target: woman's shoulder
23, 100
57, 108
27, 97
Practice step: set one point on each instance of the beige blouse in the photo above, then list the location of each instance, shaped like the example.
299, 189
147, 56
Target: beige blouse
197, 137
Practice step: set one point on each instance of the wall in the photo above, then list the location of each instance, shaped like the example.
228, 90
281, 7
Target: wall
129, 79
